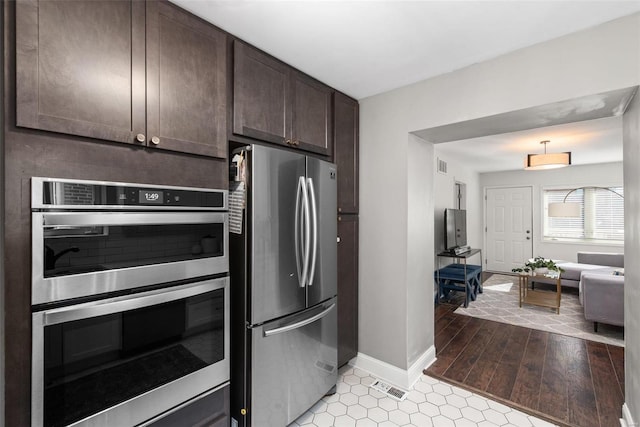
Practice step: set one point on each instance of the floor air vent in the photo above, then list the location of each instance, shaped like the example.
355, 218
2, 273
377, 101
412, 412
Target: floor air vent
389, 390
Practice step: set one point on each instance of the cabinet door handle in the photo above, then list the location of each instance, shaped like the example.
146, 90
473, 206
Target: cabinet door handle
140, 137
155, 140
288, 142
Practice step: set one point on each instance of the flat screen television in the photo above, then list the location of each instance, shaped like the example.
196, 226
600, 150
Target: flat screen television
455, 221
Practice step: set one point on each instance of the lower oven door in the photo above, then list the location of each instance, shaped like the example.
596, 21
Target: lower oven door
121, 361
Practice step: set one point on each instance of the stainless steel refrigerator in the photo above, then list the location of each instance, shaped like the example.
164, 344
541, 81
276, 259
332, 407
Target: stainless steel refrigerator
283, 287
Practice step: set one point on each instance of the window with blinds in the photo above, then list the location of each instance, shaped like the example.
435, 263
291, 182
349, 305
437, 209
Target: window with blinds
601, 215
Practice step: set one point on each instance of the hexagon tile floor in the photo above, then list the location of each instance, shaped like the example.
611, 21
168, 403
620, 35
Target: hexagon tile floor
430, 403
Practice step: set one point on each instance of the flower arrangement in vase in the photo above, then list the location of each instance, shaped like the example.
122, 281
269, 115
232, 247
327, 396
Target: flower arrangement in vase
538, 265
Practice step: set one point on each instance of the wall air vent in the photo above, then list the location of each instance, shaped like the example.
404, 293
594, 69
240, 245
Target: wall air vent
442, 166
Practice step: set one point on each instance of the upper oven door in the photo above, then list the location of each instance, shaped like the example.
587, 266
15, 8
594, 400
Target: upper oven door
76, 254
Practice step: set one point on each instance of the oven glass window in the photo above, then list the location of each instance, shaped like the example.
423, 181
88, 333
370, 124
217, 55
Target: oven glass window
76, 250
95, 363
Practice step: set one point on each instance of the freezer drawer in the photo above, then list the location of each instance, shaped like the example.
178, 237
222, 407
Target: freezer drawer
294, 364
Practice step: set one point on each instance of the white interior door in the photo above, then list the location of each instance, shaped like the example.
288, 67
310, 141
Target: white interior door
509, 236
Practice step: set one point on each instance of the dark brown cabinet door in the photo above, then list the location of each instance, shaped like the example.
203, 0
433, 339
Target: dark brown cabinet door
275, 103
186, 82
346, 113
261, 107
311, 114
121, 70
347, 288
80, 67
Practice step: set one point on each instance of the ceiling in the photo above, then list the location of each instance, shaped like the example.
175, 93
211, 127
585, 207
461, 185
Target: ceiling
364, 47
367, 47
593, 141
589, 127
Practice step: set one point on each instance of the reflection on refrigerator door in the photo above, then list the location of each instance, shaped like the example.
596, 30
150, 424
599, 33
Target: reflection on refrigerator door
283, 272
294, 363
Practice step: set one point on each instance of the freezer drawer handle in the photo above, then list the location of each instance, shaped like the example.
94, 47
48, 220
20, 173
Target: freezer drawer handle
300, 324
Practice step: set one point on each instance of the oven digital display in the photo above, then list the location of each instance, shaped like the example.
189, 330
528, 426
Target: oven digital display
150, 197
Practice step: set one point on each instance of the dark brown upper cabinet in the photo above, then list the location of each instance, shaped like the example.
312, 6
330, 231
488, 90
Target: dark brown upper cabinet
186, 82
346, 112
275, 103
121, 70
347, 288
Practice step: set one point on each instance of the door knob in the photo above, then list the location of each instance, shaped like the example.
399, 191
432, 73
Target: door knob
140, 137
528, 238
155, 140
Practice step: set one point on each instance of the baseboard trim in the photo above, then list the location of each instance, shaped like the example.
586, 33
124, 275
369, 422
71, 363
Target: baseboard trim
404, 379
627, 419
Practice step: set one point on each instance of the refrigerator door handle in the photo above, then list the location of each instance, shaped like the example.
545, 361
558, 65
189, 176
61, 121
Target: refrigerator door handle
299, 191
300, 324
302, 233
307, 232
314, 240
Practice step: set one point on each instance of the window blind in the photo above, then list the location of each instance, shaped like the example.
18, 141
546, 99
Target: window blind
601, 215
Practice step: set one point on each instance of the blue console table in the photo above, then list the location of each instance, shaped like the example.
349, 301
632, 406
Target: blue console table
459, 275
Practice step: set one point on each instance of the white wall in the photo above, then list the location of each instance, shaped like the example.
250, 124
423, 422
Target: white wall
631, 141
419, 238
444, 197
604, 174
382, 281
597, 60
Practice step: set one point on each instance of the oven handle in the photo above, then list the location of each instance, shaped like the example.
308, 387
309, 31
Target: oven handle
129, 302
56, 219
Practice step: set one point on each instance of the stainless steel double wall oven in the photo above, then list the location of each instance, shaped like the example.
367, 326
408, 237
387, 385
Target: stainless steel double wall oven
130, 300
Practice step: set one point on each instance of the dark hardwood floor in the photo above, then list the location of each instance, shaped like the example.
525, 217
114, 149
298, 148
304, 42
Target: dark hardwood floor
565, 380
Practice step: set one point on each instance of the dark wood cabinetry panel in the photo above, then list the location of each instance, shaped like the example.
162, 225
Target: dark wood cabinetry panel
80, 67
138, 72
275, 103
346, 146
347, 288
186, 82
261, 109
311, 114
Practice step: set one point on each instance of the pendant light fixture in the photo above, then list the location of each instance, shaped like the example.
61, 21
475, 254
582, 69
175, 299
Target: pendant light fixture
547, 160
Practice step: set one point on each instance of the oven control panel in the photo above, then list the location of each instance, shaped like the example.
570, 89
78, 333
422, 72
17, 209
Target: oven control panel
48, 193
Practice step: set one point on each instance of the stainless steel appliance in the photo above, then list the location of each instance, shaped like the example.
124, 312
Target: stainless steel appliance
130, 300
283, 274
90, 238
